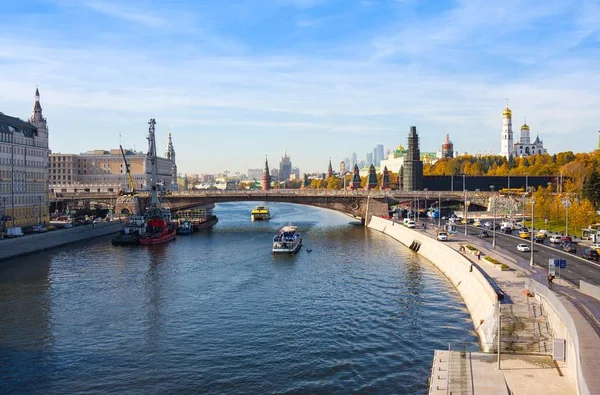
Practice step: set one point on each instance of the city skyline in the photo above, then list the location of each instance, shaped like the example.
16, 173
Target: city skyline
229, 80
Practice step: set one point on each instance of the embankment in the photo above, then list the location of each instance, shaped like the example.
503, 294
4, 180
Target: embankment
478, 295
11, 248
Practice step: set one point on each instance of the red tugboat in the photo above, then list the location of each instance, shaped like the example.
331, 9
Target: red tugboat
158, 219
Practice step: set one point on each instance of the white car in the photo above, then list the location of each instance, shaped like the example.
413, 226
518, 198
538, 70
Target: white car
555, 239
523, 247
411, 224
442, 236
97, 220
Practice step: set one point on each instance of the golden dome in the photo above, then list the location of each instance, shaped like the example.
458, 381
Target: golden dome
507, 112
400, 148
525, 127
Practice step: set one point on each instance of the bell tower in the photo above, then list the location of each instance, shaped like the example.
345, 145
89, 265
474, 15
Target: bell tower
37, 119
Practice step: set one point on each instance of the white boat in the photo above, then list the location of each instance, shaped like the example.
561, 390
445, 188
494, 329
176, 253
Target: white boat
288, 240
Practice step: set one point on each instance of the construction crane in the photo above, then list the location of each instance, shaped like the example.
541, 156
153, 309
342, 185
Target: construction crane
130, 178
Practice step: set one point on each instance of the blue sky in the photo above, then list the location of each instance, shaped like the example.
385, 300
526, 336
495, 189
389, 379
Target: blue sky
235, 80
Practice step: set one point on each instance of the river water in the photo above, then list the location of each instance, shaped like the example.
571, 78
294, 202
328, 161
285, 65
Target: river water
216, 312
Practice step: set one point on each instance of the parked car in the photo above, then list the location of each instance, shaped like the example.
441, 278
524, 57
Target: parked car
590, 253
97, 220
542, 235
442, 236
410, 224
570, 247
488, 224
483, 234
538, 239
38, 229
567, 239
596, 247
523, 247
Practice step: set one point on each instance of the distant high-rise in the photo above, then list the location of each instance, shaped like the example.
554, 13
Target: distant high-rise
412, 171
354, 160
255, 174
342, 167
380, 157
285, 167
369, 159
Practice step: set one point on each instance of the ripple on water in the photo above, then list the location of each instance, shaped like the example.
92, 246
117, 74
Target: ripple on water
217, 313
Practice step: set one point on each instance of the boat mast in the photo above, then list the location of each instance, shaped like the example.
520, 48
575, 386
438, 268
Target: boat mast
154, 202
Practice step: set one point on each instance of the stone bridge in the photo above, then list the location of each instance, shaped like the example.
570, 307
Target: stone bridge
357, 203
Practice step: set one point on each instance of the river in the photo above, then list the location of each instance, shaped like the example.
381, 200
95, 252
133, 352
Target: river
216, 312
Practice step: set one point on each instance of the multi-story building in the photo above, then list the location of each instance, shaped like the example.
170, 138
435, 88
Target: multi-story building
255, 174
24, 169
104, 171
285, 167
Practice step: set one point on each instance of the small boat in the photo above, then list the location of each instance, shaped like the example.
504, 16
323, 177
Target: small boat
288, 240
130, 235
185, 228
260, 213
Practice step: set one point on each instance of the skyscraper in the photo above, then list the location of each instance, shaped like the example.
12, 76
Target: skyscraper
353, 160
369, 159
380, 156
374, 157
285, 167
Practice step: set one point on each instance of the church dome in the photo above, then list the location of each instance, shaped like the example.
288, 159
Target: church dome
525, 127
507, 112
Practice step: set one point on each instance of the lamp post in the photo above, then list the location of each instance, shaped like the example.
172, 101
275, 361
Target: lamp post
532, 227
418, 206
494, 218
567, 204
439, 209
466, 211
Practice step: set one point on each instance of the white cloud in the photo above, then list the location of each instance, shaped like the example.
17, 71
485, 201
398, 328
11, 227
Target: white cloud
128, 13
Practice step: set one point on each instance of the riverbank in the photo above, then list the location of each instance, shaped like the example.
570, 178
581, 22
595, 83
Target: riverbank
30, 244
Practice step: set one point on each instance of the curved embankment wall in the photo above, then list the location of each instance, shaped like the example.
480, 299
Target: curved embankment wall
478, 295
11, 248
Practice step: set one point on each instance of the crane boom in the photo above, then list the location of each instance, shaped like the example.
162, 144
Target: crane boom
129, 177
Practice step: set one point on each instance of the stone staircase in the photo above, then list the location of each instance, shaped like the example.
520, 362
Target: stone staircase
525, 327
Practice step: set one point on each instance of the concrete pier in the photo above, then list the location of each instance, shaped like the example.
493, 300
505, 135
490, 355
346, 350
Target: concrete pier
29, 244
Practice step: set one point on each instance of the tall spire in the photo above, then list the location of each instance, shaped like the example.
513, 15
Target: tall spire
266, 178
329, 169
36, 115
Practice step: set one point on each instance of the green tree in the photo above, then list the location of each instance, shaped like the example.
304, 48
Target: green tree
591, 188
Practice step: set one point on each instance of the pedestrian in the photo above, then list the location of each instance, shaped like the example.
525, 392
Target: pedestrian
550, 278
478, 255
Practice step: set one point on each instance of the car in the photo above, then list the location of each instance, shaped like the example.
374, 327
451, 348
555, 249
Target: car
524, 235
483, 234
542, 235
554, 239
566, 239
97, 220
570, 247
487, 224
411, 224
538, 239
543, 232
506, 231
595, 246
523, 247
445, 218
590, 253
38, 229
442, 236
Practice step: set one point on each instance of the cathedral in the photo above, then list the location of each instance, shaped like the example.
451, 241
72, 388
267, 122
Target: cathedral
523, 146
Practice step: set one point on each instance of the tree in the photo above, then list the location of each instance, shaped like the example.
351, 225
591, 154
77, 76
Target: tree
591, 188
334, 183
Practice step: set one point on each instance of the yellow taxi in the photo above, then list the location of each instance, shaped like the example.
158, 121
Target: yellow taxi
524, 235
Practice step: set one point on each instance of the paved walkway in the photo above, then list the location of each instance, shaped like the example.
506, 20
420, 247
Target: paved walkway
525, 329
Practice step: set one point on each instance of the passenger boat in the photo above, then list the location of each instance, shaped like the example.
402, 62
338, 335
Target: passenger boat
184, 228
288, 240
130, 235
158, 227
260, 213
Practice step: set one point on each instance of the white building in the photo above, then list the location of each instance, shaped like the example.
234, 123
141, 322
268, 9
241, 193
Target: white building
524, 146
24, 169
506, 142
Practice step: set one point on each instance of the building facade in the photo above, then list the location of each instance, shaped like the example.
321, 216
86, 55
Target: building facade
524, 146
285, 167
104, 171
255, 174
24, 169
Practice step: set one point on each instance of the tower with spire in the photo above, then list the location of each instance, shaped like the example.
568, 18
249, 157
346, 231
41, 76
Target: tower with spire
170, 155
412, 170
266, 178
506, 142
356, 181
371, 178
329, 169
37, 119
386, 185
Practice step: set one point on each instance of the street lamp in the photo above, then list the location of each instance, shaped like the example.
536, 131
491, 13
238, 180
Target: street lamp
532, 227
466, 211
439, 209
494, 219
567, 204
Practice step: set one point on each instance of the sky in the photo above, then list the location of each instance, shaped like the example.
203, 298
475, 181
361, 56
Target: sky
235, 80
